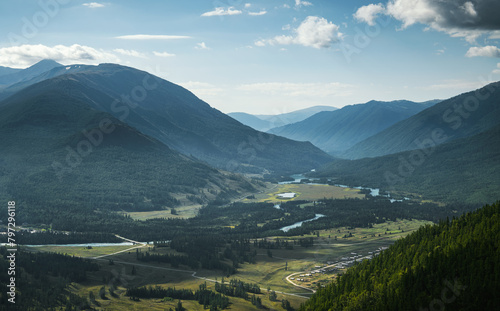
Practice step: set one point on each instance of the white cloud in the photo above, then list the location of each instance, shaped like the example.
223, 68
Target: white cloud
299, 3
151, 37
484, 51
468, 8
163, 54
201, 46
299, 89
202, 89
314, 32
220, 11
412, 11
495, 34
260, 43
94, 5
369, 13
455, 85
497, 70
457, 18
263, 12
247, 5
26, 55
133, 53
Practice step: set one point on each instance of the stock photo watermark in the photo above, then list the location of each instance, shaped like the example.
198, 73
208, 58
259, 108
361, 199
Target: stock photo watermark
31, 26
12, 251
454, 118
95, 137
363, 37
449, 294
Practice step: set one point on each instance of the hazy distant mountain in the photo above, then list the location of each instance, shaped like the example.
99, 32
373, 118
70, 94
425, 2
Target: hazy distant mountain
462, 170
6, 70
251, 120
461, 116
16, 76
177, 118
267, 122
336, 131
294, 116
56, 149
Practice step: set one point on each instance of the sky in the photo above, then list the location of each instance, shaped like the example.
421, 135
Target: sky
269, 56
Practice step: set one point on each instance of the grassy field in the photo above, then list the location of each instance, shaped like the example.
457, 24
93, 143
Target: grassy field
306, 192
80, 251
267, 194
185, 211
268, 272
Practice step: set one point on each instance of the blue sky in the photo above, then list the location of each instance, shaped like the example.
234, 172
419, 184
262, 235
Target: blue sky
274, 56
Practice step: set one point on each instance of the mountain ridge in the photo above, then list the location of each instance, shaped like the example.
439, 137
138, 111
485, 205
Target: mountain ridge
264, 123
462, 170
336, 131
179, 119
449, 116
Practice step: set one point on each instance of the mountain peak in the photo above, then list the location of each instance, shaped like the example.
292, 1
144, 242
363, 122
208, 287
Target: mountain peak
45, 63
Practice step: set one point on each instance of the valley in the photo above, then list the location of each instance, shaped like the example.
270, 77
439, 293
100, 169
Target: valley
218, 215
273, 268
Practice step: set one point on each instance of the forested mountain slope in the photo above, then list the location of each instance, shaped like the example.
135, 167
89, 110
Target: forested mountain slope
453, 265
337, 131
464, 115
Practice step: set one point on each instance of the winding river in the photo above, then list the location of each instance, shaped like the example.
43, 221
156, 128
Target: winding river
298, 224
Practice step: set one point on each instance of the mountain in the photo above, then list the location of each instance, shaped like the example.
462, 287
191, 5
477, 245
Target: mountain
294, 116
336, 131
462, 170
29, 73
251, 120
60, 157
7, 70
177, 118
267, 122
44, 75
461, 116
452, 265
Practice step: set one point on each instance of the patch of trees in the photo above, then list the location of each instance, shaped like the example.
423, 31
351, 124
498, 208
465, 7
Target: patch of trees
172, 259
205, 297
237, 288
276, 244
453, 265
41, 280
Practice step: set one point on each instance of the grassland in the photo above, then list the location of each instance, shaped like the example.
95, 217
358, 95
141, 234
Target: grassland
305, 192
269, 272
122, 270
185, 211
80, 251
269, 193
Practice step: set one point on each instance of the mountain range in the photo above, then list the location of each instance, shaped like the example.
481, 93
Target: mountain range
267, 122
337, 131
57, 152
460, 116
446, 152
87, 138
9, 76
177, 118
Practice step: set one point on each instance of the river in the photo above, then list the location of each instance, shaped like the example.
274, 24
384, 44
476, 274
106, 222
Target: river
298, 224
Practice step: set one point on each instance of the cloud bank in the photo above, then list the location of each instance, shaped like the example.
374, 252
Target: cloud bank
25, 55
459, 18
